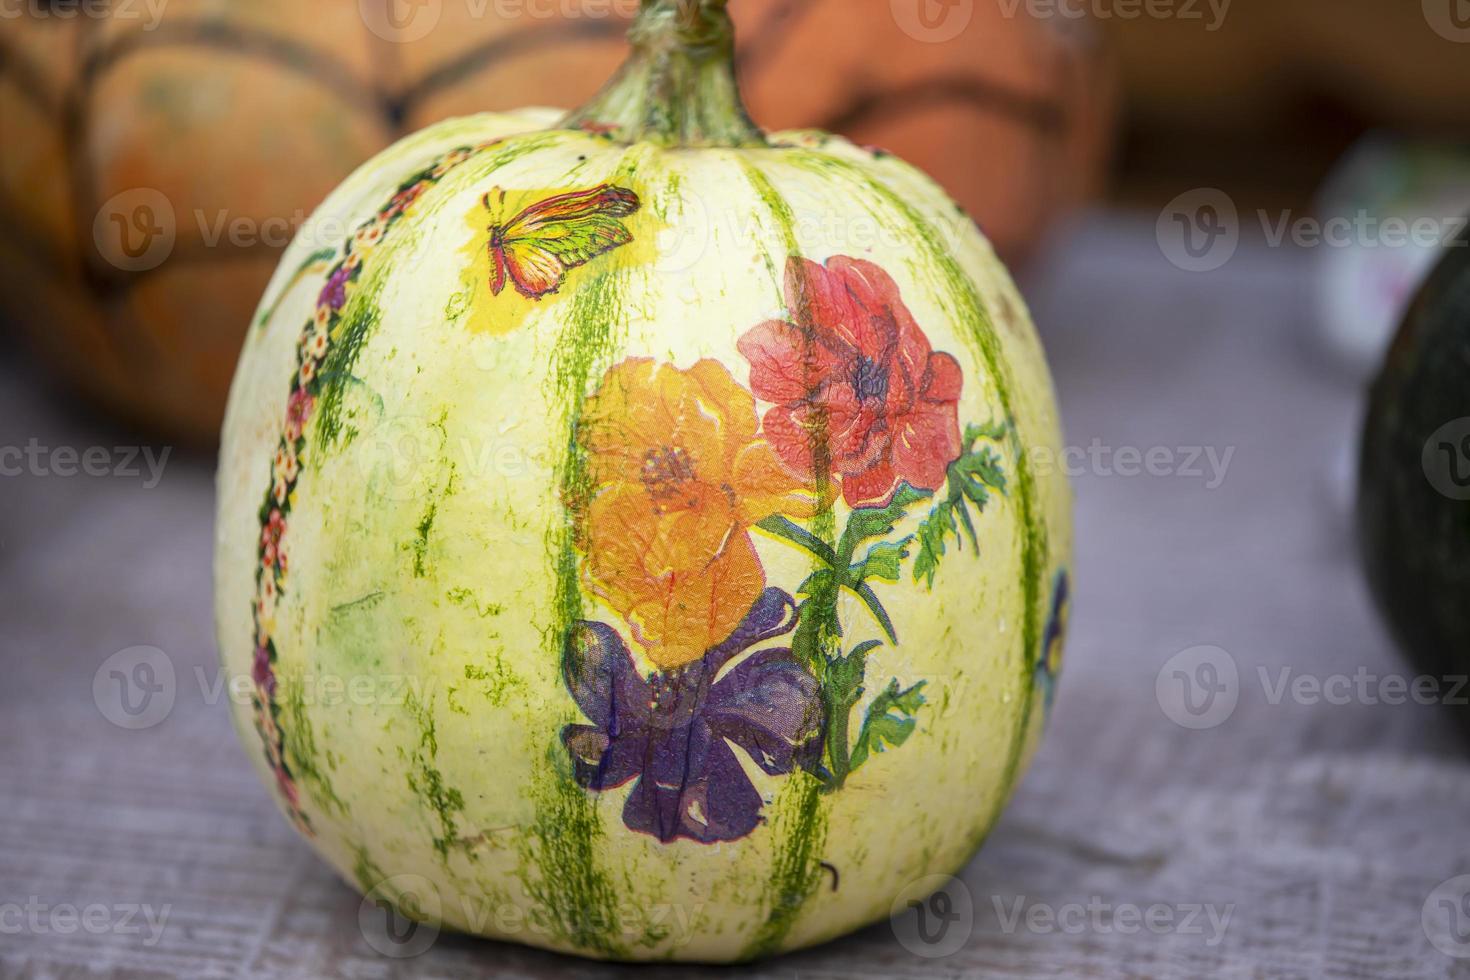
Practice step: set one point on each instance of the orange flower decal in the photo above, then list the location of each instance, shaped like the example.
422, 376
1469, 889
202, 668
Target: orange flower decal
680, 475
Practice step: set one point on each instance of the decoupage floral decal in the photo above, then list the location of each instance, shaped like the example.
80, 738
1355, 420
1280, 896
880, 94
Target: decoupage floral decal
516, 259
1049, 666
672, 730
681, 477
536, 248
852, 365
860, 415
312, 347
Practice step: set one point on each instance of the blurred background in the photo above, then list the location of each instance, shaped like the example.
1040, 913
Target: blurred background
1220, 211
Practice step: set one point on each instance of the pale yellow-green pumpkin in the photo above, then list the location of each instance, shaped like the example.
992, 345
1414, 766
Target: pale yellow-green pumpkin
634, 525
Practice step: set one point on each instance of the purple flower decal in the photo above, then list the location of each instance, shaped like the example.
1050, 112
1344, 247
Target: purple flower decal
261, 671
672, 730
334, 293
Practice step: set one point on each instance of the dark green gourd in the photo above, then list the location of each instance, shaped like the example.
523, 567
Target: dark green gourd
1414, 479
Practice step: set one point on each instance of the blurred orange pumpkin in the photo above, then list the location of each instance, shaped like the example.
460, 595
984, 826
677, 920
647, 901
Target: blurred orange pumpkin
152, 167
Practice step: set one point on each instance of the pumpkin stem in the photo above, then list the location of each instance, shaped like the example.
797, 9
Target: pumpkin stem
678, 87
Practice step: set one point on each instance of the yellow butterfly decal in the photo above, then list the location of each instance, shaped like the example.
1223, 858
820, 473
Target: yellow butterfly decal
535, 249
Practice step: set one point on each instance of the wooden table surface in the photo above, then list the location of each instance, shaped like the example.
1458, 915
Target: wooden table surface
1311, 836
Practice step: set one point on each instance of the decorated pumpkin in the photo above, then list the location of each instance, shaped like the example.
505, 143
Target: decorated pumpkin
1414, 480
631, 528
152, 170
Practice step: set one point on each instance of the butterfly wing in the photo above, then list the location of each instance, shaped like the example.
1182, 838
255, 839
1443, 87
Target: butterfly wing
541, 243
535, 270
497, 267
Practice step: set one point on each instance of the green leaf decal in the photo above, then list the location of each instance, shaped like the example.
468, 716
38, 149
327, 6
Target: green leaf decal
789, 530
877, 522
883, 561
889, 721
971, 480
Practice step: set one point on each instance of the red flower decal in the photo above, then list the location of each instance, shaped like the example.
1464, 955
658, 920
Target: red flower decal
855, 383
298, 410
271, 553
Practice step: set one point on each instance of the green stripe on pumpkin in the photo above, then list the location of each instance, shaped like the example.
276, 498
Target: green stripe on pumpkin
577, 895
799, 821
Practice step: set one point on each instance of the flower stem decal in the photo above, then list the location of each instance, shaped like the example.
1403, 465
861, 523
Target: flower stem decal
683, 469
